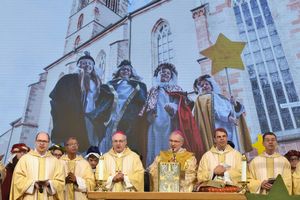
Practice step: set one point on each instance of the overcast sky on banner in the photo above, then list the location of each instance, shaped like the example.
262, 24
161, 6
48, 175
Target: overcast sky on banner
32, 36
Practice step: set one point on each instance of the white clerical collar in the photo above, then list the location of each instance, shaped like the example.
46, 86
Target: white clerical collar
220, 150
179, 150
119, 155
42, 155
268, 155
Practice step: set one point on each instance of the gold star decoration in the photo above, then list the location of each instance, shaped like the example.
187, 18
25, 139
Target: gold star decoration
277, 192
225, 53
258, 145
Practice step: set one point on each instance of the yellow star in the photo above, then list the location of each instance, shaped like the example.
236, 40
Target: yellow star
225, 53
258, 145
277, 192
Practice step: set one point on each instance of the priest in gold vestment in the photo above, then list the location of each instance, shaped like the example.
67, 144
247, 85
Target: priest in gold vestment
221, 162
38, 175
2, 170
78, 172
296, 180
2, 173
176, 153
264, 168
123, 170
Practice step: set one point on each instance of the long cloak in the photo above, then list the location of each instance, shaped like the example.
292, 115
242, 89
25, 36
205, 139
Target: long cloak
68, 114
188, 164
129, 164
84, 177
33, 167
125, 115
212, 158
205, 116
264, 166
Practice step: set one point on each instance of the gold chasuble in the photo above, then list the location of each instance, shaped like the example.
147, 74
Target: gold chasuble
84, 177
129, 164
267, 166
296, 180
2, 172
188, 165
230, 158
204, 113
33, 167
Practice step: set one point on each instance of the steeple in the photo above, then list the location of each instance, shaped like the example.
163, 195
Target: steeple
89, 17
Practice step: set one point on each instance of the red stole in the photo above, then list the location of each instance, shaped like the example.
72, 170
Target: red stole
187, 125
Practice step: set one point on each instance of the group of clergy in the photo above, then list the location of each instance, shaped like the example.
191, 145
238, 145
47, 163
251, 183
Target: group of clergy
222, 163
40, 175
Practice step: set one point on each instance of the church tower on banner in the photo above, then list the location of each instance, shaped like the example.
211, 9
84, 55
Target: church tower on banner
90, 17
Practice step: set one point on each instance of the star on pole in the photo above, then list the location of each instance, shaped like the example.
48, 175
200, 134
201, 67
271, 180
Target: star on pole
277, 192
225, 54
258, 145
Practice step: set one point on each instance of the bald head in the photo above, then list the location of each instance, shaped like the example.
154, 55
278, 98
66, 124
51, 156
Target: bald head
42, 140
119, 135
42, 133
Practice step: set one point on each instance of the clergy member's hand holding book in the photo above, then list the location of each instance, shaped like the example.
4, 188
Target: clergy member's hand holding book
271, 180
41, 184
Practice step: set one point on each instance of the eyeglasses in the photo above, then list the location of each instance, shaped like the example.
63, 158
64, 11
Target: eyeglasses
270, 140
72, 145
57, 154
42, 141
125, 69
293, 159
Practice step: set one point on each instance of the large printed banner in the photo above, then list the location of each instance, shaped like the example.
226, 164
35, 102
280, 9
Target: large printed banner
249, 85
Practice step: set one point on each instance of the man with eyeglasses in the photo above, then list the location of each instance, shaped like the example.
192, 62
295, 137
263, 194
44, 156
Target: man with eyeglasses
38, 175
78, 173
265, 167
294, 157
187, 160
57, 150
123, 170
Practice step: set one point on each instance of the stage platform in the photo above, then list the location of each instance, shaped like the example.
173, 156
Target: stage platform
165, 196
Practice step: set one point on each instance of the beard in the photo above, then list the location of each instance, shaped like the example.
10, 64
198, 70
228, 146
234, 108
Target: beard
85, 78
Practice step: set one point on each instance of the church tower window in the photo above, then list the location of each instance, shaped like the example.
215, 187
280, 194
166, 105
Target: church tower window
97, 13
100, 68
77, 41
162, 43
272, 84
113, 5
82, 4
80, 22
